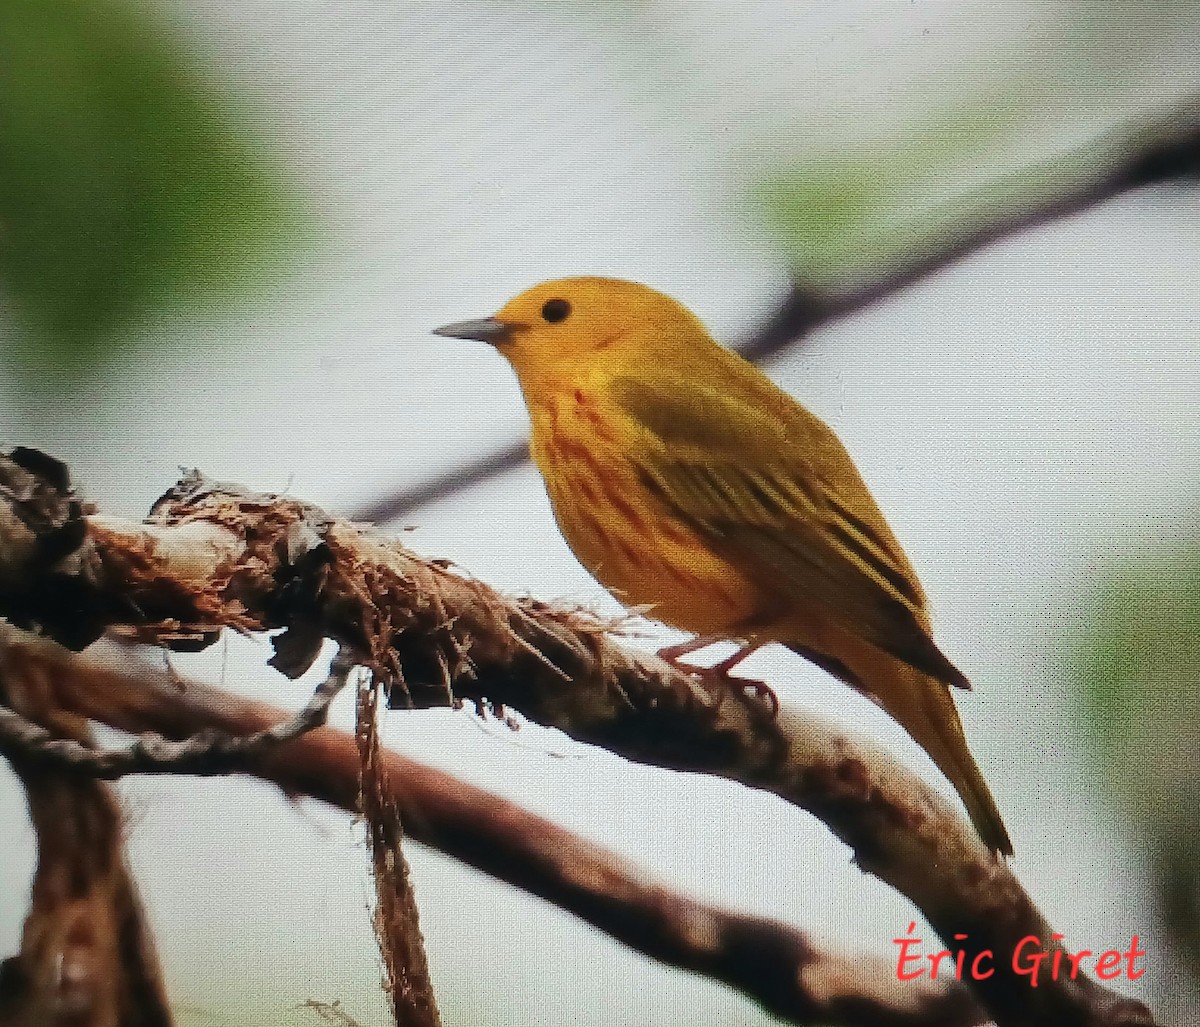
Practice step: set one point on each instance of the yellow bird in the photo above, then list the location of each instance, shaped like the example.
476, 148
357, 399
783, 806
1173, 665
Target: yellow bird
688, 483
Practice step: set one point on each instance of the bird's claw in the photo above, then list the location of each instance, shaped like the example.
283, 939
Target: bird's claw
758, 690
722, 682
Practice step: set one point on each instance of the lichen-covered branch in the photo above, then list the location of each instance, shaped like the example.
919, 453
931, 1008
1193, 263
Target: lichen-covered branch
785, 970
213, 556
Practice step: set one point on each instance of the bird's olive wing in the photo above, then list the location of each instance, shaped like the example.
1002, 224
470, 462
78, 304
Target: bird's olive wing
768, 485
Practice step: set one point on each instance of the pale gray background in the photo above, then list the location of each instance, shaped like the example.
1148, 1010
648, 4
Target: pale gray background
1019, 417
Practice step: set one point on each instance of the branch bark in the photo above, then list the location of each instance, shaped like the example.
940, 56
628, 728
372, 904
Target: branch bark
87, 957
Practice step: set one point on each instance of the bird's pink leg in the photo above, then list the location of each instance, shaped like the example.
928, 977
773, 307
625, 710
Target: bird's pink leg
725, 666
671, 653
718, 673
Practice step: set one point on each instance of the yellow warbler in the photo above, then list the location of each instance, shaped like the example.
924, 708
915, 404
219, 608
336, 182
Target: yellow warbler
687, 482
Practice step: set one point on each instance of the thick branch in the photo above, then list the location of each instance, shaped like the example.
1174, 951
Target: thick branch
791, 975
216, 556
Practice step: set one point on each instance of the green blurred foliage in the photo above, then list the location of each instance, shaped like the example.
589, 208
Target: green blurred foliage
125, 181
1137, 670
852, 218
848, 215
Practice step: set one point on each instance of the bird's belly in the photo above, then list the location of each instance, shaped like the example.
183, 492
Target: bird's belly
638, 550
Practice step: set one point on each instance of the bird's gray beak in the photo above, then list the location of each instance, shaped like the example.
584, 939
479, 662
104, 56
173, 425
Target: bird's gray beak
486, 329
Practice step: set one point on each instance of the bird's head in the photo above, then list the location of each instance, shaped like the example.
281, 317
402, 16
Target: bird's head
575, 327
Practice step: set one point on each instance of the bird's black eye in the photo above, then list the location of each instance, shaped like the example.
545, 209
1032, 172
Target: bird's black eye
556, 310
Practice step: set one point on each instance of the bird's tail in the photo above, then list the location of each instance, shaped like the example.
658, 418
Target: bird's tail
928, 713
924, 707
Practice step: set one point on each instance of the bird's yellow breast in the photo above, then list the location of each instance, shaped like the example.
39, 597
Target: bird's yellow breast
629, 541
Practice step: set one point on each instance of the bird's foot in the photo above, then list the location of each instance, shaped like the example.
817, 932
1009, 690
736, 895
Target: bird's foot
748, 690
718, 676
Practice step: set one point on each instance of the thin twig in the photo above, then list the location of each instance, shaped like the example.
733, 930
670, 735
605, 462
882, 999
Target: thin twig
397, 919
204, 754
330, 1012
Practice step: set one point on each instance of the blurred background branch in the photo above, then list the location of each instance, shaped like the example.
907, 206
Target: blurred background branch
892, 253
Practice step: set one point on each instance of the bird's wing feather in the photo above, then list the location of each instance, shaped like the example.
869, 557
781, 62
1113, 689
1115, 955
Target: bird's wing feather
768, 484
